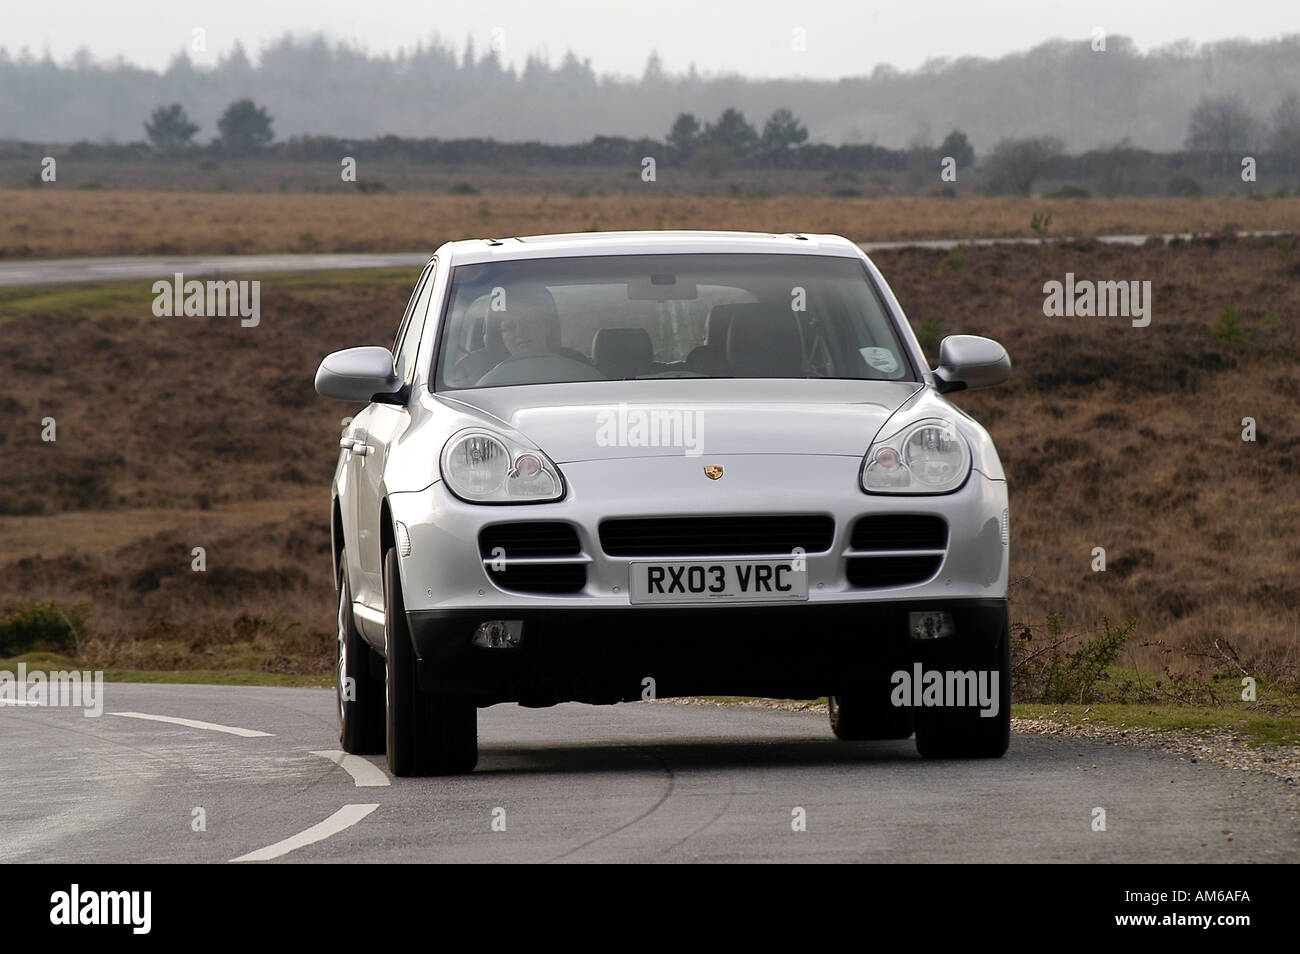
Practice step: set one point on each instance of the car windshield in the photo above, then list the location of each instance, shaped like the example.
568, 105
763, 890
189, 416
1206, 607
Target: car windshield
620, 317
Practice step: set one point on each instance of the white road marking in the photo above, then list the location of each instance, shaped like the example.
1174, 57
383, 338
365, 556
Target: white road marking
366, 774
345, 817
16, 702
195, 724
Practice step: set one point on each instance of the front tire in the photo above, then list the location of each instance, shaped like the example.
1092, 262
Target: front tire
864, 715
360, 696
963, 733
428, 733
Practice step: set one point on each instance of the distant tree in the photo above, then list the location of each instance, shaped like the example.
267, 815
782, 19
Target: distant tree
1284, 133
782, 132
654, 69
1120, 169
1016, 164
731, 131
170, 128
245, 127
956, 144
1221, 124
685, 134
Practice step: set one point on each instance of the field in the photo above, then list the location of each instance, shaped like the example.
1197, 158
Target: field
55, 221
180, 433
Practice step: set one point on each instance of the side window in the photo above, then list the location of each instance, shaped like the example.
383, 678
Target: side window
408, 336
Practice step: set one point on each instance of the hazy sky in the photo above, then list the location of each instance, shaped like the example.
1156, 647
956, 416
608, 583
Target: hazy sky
753, 37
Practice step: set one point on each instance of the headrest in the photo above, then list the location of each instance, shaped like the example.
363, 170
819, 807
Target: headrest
622, 352
765, 341
715, 330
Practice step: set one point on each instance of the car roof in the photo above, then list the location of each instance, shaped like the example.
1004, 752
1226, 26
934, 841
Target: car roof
473, 251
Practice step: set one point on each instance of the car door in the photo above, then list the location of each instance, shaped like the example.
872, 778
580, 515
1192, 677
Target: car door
375, 429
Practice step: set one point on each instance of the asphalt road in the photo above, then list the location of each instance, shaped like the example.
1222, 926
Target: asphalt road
61, 271
635, 782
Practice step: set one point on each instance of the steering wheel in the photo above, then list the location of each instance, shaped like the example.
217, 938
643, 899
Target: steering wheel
542, 368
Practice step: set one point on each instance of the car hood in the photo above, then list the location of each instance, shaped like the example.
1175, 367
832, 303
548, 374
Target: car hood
608, 420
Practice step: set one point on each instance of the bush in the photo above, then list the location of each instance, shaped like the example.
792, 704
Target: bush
34, 625
1069, 192
1016, 164
1227, 328
952, 263
1051, 673
929, 334
1184, 186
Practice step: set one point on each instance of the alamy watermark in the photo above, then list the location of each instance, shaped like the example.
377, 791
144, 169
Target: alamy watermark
1089, 299
128, 908
651, 427
211, 299
922, 688
84, 690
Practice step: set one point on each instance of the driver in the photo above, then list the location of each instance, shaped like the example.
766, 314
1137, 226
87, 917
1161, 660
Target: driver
534, 327
529, 323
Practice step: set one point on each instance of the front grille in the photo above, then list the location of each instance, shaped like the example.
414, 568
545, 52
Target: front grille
872, 572
550, 541
900, 531
716, 536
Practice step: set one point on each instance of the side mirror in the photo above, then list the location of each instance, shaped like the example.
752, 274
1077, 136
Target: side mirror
357, 374
969, 361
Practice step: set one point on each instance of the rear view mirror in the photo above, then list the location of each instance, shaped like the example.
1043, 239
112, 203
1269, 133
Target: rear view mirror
663, 287
357, 374
969, 361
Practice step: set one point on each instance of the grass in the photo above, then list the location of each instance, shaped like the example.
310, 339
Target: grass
135, 297
210, 677
1254, 726
90, 300
180, 223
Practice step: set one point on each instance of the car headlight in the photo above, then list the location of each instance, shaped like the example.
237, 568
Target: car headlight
925, 457
483, 467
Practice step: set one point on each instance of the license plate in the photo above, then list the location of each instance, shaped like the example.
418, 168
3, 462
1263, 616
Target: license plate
717, 581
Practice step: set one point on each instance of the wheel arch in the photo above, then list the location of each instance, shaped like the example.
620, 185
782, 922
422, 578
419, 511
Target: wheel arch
336, 538
387, 541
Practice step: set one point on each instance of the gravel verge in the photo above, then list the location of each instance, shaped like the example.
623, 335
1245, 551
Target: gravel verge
1216, 746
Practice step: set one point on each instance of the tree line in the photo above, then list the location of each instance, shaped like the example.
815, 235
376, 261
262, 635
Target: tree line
1062, 88
1221, 130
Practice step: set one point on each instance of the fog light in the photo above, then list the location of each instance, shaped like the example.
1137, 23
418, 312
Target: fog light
499, 634
932, 624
